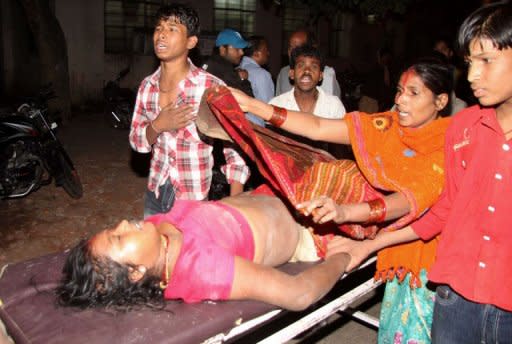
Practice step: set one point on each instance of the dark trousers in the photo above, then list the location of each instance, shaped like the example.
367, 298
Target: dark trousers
457, 320
162, 204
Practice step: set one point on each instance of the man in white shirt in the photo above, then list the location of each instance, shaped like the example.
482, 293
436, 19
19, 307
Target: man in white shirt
306, 69
256, 56
329, 84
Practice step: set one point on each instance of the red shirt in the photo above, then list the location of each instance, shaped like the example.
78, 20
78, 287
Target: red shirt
181, 155
474, 212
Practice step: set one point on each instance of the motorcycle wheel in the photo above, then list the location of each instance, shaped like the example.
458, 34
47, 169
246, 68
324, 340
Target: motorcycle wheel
69, 178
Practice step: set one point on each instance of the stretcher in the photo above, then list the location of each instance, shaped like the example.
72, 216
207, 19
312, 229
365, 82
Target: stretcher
29, 314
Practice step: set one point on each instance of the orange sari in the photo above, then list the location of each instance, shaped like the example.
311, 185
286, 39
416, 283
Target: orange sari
405, 160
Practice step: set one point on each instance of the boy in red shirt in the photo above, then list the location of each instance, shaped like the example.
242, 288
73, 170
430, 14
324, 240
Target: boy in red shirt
473, 214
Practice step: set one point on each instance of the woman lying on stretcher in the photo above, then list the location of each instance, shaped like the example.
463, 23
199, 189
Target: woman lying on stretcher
223, 250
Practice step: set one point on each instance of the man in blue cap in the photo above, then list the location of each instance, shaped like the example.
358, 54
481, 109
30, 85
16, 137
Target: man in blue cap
223, 63
225, 59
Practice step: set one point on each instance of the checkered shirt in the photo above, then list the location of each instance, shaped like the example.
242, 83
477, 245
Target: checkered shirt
181, 155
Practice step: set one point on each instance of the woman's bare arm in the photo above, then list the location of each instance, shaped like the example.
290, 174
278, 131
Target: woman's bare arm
324, 209
294, 292
300, 123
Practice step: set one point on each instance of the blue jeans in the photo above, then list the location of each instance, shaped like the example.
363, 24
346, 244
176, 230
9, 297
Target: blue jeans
163, 203
458, 320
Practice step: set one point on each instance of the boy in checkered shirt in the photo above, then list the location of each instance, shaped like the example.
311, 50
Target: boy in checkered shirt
164, 115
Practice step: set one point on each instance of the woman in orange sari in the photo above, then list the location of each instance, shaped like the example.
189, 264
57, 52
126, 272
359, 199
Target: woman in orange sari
401, 155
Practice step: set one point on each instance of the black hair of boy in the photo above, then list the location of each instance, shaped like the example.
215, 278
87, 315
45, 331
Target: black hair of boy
306, 51
493, 22
181, 14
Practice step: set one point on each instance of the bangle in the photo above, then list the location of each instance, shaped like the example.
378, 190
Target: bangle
152, 126
377, 210
278, 116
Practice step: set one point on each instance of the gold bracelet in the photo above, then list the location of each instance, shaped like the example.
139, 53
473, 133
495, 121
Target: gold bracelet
377, 210
279, 115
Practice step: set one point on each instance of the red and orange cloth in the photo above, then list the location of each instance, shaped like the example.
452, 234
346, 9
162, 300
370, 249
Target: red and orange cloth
390, 157
405, 160
292, 170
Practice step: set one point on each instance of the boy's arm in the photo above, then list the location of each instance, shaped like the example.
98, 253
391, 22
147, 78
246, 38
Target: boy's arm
236, 188
140, 122
360, 250
236, 170
294, 292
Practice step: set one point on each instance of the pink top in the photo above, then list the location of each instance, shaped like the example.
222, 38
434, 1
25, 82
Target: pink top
474, 211
213, 234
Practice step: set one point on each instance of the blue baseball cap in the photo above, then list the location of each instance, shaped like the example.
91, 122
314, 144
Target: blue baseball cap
231, 37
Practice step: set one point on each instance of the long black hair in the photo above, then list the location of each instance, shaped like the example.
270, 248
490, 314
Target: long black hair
492, 21
89, 281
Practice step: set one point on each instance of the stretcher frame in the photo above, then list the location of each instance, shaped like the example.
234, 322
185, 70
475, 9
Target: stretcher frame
309, 320
28, 312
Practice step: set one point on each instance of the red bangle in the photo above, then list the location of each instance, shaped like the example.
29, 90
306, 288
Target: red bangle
377, 210
278, 116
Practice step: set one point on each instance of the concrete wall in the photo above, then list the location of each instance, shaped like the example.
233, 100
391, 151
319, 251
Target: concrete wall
89, 66
82, 23
18, 60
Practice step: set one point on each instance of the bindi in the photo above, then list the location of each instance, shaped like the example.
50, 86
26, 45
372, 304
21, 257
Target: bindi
406, 76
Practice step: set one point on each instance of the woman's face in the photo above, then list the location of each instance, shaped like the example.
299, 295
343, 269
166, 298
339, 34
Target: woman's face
416, 104
137, 243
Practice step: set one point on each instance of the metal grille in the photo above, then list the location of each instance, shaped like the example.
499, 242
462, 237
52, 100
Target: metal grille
129, 24
238, 15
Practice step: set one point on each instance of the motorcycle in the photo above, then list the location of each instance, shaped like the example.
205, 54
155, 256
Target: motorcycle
119, 102
31, 154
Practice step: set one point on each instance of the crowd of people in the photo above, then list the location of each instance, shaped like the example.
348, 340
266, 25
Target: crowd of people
441, 171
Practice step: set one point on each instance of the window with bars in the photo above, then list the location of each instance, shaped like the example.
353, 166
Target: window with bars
129, 25
235, 14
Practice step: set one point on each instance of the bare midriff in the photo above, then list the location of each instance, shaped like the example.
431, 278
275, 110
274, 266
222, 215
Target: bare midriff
274, 230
